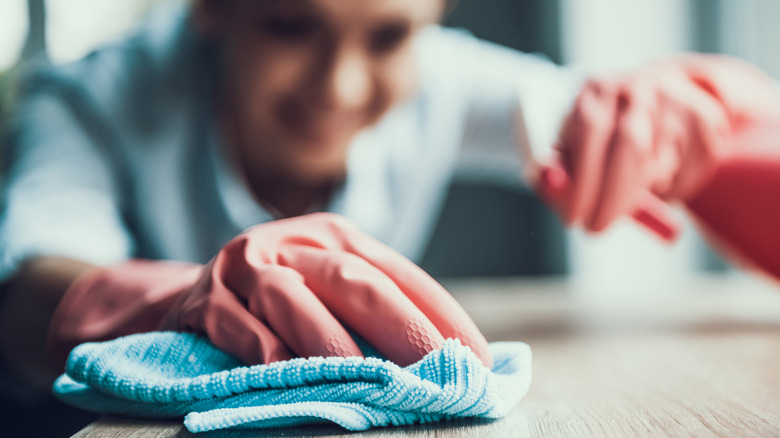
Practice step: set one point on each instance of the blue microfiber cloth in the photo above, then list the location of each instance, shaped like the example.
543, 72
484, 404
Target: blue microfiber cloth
169, 374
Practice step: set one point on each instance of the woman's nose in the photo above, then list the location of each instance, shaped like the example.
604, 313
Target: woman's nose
344, 81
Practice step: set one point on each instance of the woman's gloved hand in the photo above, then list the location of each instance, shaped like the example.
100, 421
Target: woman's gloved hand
280, 290
660, 130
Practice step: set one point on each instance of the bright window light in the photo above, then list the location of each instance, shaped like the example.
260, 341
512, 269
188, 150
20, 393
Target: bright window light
13, 30
76, 27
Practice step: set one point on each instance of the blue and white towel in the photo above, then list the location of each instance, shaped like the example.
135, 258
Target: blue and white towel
168, 374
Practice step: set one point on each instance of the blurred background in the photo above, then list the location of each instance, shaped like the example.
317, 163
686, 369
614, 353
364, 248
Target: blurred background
491, 224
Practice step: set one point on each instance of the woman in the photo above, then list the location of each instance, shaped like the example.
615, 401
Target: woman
171, 144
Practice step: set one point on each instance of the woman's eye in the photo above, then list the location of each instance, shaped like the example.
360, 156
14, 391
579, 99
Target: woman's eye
291, 29
389, 38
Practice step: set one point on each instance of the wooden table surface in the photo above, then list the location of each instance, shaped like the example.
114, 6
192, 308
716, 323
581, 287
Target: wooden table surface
702, 359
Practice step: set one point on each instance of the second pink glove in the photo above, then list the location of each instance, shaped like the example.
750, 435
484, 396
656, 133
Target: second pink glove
661, 130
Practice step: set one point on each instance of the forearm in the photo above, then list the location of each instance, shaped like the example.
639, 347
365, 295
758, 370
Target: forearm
54, 304
30, 299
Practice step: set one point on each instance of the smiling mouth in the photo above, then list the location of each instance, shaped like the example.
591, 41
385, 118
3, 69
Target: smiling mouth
322, 128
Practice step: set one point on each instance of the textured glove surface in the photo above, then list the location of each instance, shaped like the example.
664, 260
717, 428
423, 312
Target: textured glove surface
280, 290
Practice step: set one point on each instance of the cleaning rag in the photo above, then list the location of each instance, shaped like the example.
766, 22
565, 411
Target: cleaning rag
171, 374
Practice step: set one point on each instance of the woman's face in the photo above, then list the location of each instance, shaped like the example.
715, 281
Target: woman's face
302, 77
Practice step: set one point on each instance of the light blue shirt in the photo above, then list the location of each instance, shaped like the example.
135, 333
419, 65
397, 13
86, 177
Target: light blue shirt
116, 156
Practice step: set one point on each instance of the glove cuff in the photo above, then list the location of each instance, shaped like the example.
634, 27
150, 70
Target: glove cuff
108, 302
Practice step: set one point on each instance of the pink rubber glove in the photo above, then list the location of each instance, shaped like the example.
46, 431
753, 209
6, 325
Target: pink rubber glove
657, 131
280, 290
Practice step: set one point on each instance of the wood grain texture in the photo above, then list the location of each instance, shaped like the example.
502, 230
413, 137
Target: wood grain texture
702, 363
